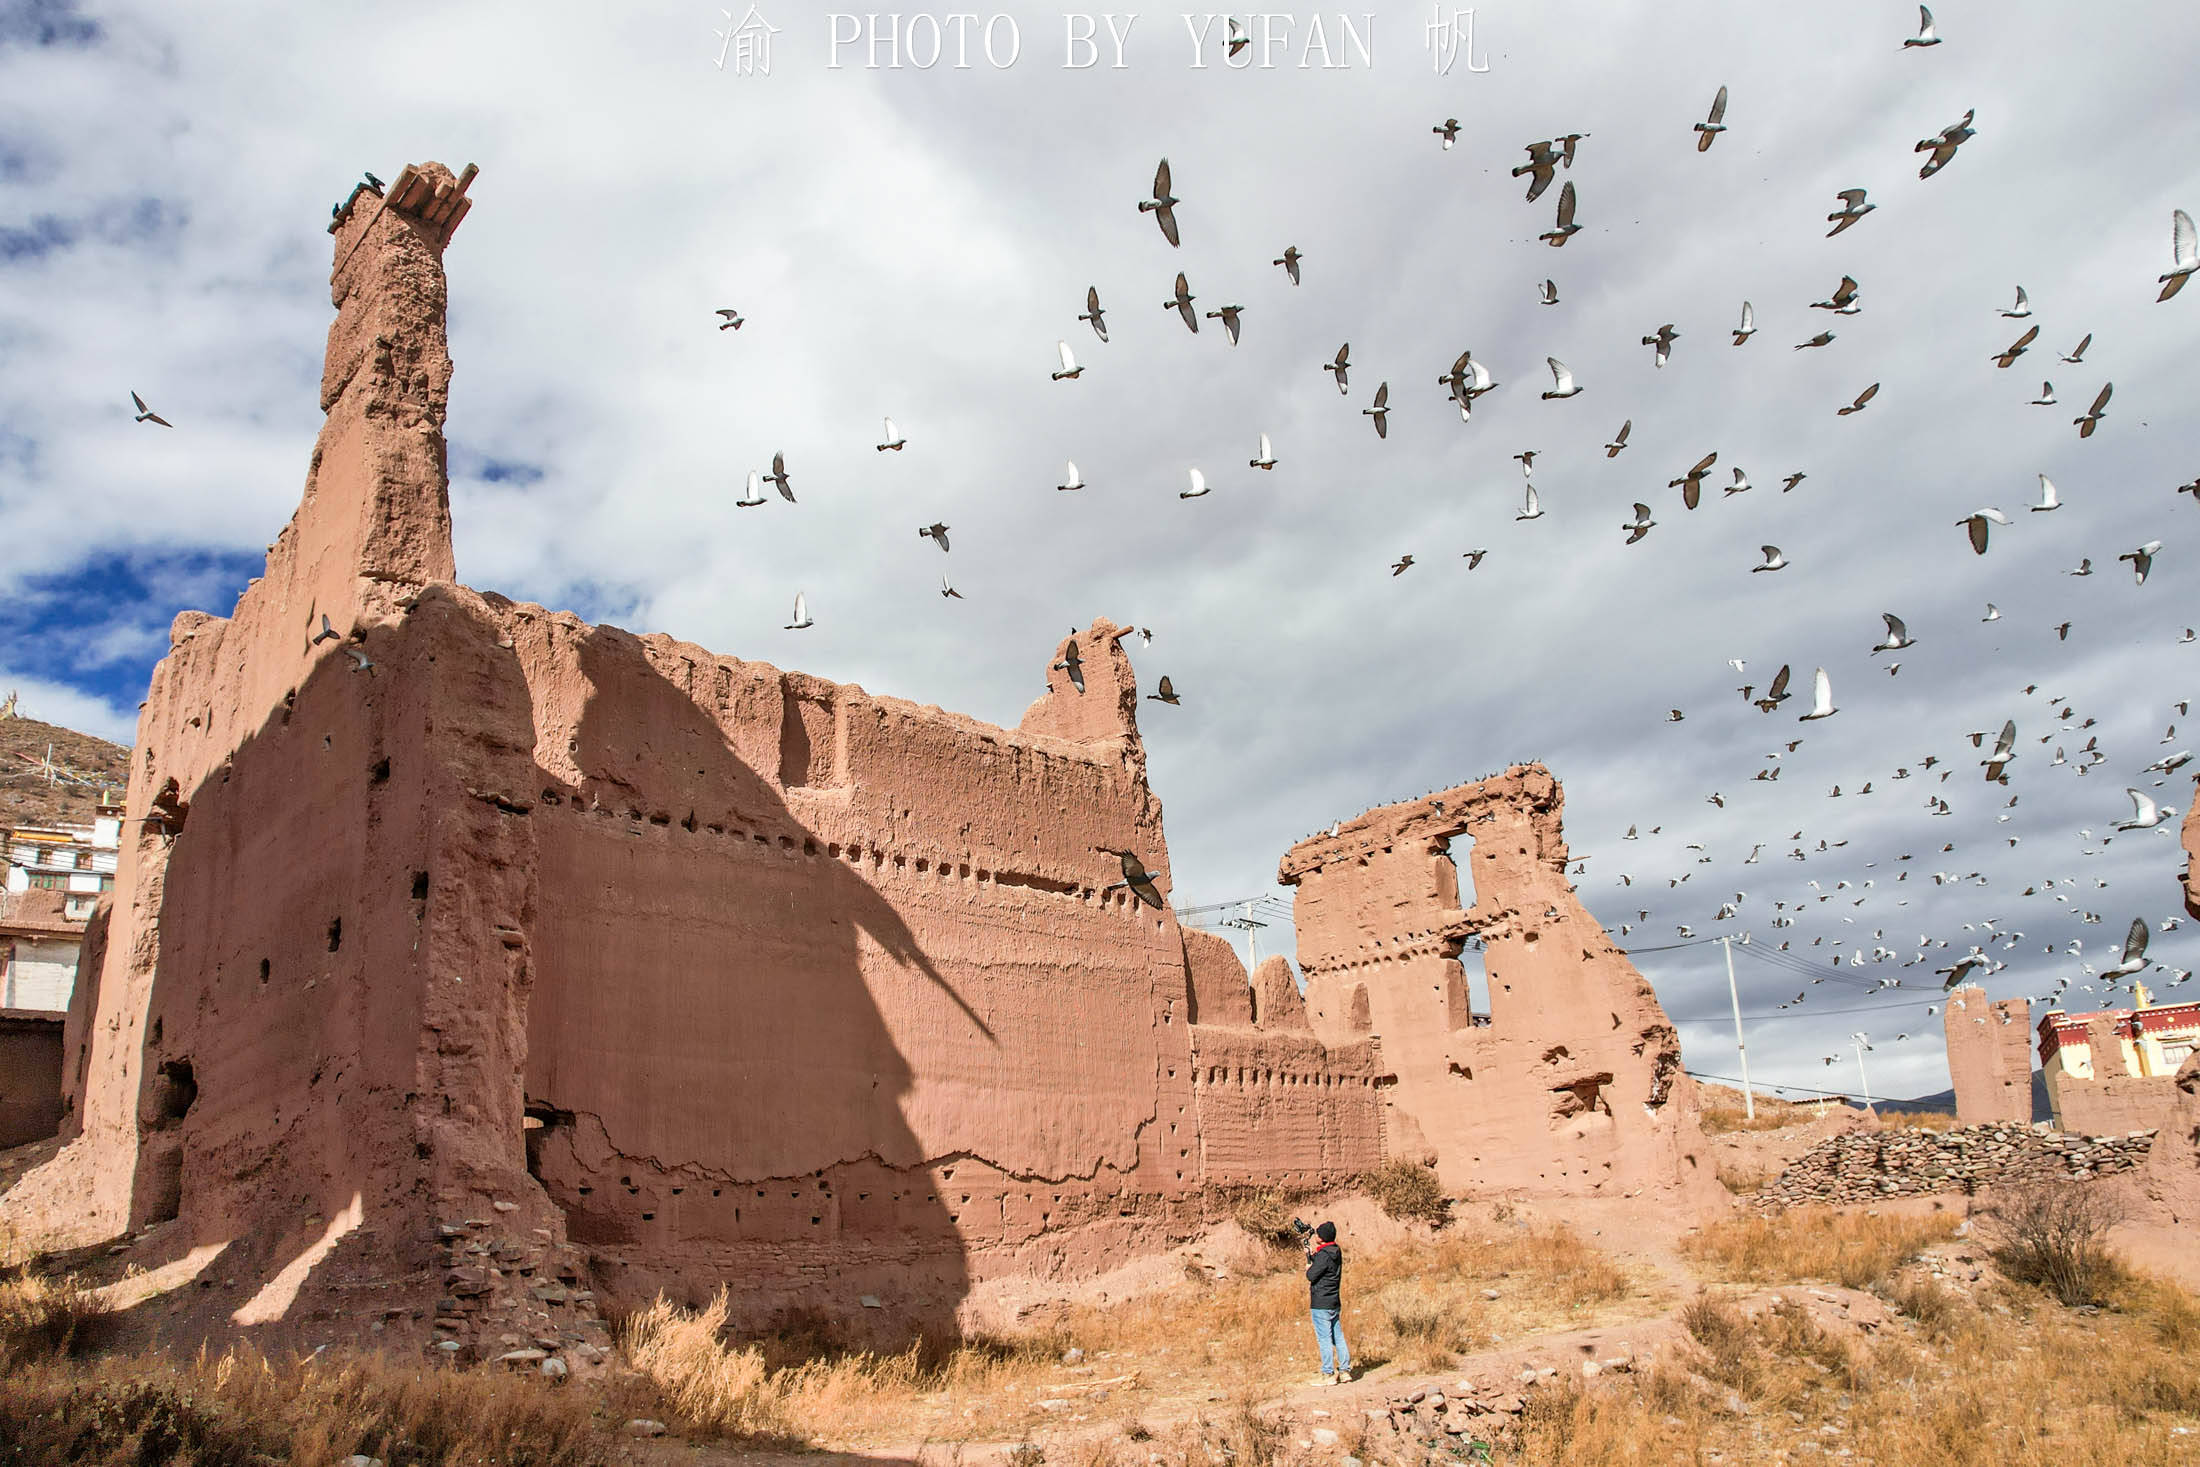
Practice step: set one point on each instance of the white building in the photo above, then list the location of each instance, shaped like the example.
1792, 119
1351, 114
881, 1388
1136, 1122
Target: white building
54, 877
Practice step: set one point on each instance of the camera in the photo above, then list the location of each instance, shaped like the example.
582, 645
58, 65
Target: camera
1301, 1227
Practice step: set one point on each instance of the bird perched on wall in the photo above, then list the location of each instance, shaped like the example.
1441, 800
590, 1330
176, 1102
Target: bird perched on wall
778, 476
1135, 876
146, 414
374, 183
1289, 260
1165, 692
935, 532
1074, 665
730, 319
1094, 314
1163, 204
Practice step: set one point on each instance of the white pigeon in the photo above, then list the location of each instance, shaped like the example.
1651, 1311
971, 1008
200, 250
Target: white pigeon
1073, 482
2145, 814
1563, 381
2046, 397
1926, 36
1898, 635
1069, 362
1774, 560
1199, 487
2184, 251
1976, 522
2142, 560
1532, 509
2048, 499
801, 613
1267, 458
1821, 697
1993, 612
2022, 308
893, 440
2135, 952
1748, 328
754, 494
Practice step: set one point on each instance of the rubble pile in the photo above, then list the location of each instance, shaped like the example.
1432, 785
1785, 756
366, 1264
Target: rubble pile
1867, 1166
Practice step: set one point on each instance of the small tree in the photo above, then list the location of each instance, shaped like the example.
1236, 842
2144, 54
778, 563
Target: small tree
2055, 1234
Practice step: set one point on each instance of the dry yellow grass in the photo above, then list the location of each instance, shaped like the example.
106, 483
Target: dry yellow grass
1857, 1250
1720, 1109
1919, 1120
1745, 1179
1245, 1337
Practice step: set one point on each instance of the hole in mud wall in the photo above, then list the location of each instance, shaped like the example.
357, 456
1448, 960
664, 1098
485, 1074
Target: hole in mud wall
380, 773
420, 886
175, 1091
541, 1121
157, 1028
794, 740
335, 933
265, 970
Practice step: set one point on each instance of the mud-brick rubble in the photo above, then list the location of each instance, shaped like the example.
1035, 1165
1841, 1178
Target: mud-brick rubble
1866, 1166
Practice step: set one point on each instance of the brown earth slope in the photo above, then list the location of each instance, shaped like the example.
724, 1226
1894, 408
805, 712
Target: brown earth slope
27, 797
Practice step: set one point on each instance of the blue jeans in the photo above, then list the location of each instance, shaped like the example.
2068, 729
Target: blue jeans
1335, 1355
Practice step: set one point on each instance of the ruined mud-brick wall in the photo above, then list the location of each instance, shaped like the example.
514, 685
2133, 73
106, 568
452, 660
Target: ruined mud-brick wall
1572, 1085
2113, 1103
1868, 1165
1990, 1056
470, 937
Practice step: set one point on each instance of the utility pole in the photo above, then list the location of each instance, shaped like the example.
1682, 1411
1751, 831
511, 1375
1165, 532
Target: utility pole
1749, 1098
1245, 922
1861, 1046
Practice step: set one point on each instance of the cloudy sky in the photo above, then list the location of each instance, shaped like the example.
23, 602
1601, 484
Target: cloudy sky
913, 241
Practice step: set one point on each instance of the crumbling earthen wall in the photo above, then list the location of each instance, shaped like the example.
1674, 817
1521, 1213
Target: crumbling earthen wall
2113, 1104
1574, 1085
467, 933
1989, 1056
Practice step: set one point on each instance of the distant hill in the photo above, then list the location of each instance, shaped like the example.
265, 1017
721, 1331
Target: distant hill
27, 797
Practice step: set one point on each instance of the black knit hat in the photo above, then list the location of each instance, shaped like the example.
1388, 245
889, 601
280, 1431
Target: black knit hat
1327, 1232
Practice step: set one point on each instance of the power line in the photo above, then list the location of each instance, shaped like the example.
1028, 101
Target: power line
1805, 1089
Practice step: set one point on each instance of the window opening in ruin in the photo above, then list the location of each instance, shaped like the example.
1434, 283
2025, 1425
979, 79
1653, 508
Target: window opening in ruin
1470, 978
335, 933
176, 1092
420, 886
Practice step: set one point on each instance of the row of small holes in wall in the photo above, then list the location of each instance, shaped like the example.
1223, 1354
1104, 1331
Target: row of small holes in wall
1225, 1074
854, 855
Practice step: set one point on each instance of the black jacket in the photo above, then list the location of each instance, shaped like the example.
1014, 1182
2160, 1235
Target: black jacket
1325, 1277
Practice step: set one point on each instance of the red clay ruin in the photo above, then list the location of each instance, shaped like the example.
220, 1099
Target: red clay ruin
479, 966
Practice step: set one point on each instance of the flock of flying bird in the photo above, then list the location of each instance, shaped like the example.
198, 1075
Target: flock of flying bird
1468, 379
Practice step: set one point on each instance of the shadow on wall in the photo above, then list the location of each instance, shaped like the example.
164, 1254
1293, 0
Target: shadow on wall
714, 1054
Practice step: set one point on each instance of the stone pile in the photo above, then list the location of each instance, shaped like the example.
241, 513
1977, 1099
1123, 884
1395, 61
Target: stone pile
520, 1301
1867, 1166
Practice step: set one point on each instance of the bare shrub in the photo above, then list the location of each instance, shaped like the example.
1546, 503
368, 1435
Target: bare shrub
1431, 1323
1408, 1192
1934, 1306
1265, 1213
2055, 1234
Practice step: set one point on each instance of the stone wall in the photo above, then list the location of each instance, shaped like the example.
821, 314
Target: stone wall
1990, 1057
1867, 1165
